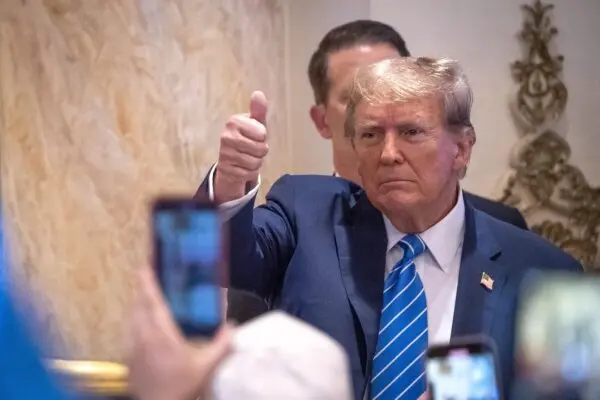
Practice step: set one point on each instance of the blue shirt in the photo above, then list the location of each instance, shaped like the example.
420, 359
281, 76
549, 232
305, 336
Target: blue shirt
22, 374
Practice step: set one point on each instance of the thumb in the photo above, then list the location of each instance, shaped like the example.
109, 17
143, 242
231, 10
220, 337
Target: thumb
258, 107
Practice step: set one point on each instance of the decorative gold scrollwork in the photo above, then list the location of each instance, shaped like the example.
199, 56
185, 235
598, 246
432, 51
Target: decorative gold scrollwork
553, 195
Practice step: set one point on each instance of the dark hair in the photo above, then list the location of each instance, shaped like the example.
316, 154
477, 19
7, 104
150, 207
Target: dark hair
345, 36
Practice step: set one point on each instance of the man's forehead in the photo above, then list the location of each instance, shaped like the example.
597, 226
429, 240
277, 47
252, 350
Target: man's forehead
347, 60
416, 110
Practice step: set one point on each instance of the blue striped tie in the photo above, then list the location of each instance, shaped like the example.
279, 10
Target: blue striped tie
399, 361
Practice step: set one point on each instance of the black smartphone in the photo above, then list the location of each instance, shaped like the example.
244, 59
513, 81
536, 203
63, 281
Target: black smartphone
557, 343
464, 369
189, 259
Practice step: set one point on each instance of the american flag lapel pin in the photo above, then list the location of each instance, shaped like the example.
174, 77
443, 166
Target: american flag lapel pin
486, 281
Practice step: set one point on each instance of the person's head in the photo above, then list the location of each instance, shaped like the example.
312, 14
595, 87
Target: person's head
331, 69
409, 120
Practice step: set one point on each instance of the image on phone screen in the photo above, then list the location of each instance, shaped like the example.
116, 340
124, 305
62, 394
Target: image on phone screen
188, 253
462, 375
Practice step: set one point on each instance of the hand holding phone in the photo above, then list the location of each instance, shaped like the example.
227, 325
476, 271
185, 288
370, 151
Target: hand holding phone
161, 363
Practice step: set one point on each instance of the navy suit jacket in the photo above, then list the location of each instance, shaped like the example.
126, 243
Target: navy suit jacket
244, 306
497, 210
317, 250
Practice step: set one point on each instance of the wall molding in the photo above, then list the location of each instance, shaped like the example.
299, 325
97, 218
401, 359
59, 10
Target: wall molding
553, 194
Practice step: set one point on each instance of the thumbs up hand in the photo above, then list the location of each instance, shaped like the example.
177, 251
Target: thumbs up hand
242, 151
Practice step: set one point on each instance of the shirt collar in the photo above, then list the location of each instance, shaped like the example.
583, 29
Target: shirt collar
443, 239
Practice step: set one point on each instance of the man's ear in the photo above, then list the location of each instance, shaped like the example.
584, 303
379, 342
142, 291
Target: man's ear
317, 114
465, 146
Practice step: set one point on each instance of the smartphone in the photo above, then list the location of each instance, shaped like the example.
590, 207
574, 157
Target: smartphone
557, 342
189, 258
464, 369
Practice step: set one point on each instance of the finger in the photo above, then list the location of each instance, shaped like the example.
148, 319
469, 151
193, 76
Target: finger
233, 173
223, 336
258, 107
248, 127
244, 161
244, 145
219, 347
137, 318
147, 291
153, 303
140, 336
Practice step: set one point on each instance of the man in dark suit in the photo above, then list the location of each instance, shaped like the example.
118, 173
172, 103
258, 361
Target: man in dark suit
400, 263
341, 51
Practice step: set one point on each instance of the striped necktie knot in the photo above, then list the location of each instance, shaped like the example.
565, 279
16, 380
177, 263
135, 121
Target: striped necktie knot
413, 246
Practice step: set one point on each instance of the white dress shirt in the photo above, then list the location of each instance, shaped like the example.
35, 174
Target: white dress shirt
438, 267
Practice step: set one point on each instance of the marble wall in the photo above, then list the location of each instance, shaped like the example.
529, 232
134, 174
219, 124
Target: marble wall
103, 104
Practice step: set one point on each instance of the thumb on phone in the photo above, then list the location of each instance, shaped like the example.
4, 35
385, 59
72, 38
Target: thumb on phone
258, 107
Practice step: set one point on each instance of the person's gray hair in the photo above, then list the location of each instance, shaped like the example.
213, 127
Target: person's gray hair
403, 79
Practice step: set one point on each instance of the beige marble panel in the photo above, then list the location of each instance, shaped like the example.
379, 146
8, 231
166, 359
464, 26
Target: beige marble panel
105, 103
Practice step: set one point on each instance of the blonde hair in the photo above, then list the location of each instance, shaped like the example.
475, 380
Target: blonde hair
402, 79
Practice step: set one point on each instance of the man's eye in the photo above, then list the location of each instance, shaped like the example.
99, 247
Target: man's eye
412, 131
367, 135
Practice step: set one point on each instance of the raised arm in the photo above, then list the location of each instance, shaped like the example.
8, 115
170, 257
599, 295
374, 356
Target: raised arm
262, 239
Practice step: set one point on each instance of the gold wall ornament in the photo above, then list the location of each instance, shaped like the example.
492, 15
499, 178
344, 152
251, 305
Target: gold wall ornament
554, 196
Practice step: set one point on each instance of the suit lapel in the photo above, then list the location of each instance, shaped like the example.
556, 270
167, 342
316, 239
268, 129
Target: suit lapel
477, 305
361, 246
361, 243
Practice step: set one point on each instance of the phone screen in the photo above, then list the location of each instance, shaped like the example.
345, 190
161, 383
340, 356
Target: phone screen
558, 337
462, 372
188, 254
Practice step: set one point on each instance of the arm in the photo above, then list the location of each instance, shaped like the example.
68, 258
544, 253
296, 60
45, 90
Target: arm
230, 208
261, 239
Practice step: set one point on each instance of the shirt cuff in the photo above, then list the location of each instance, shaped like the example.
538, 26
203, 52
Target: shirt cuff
230, 208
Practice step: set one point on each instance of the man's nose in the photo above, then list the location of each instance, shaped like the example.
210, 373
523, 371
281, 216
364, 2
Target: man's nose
391, 152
